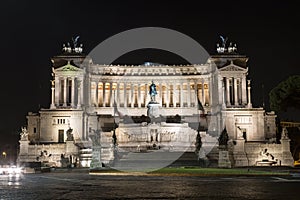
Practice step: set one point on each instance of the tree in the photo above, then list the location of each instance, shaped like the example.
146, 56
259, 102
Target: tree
286, 94
223, 138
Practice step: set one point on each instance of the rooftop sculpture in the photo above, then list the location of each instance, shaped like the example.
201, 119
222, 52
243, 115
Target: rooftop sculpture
74, 48
231, 48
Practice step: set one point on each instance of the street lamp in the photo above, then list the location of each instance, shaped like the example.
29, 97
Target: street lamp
4, 154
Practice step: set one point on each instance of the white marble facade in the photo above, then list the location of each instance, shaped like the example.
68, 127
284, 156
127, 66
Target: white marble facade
85, 96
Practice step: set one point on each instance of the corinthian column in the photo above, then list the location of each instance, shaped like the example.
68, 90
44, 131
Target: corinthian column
236, 103
79, 94
73, 92
249, 95
65, 92
228, 103
52, 105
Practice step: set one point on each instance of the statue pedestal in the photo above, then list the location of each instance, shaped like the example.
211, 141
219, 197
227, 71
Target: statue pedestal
286, 153
71, 148
24, 144
96, 158
153, 109
224, 161
239, 154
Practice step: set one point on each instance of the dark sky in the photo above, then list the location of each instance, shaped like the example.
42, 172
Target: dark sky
33, 31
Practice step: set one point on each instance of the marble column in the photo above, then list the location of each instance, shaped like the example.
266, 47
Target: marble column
196, 93
125, 95
132, 95
181, 95
146, 95
118, 95
228, 103
104, 94
174, 95
65, 92
57, 90
236, 103
167, 95
249, 95
161, 94
223, 94
189, 97
244, 91
52, 105
79, 94
139, 95
203, 92
210, 95
111, 100
96, 94
73, 92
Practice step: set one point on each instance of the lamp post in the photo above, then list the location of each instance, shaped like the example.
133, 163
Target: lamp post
4, 154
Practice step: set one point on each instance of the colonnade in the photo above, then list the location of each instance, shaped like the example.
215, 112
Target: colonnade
67, 92
235, 91
136, 95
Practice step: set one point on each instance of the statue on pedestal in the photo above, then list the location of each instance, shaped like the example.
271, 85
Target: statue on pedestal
152, 91
24, 134
284, 133
70, 136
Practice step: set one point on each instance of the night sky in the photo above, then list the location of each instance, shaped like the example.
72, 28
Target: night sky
33, 32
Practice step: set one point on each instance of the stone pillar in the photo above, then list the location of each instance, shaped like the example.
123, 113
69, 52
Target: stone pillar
146, 94
244, 90
52, 105
210, 91
287, 158
57, 90
125, 95
196, 93
181, 95
118, 95
96, 94
203, 93
132, 95
65, 92
167, 95
79, 94
228, 103
104, 95
236, 103
239, 154
139, 98
249, 95
73, 92
174, 95
161, 93
111, 100
189, 95
223, 94
224, 161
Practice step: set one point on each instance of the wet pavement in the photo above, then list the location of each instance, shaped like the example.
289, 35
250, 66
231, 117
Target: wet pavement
70, 185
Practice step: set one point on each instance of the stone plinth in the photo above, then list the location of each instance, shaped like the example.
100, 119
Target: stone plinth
71, 148
287, 158
224, 161
24, 144
239, 154
153, 109
96, 158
